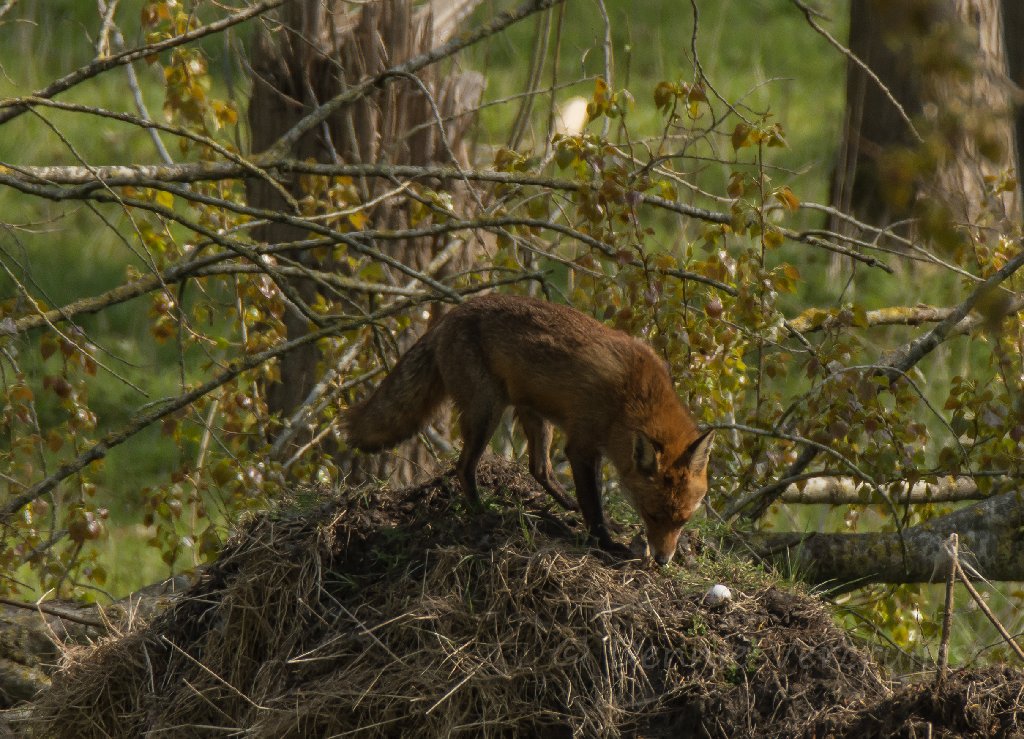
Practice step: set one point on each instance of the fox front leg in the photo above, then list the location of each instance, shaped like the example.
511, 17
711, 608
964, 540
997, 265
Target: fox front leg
586, 473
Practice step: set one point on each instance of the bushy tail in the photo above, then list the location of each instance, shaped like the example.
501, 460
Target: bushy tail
401, 404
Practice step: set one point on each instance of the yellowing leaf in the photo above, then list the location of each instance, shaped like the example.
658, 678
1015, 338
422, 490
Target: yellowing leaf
785, 196
667, 190
664, 93
225, 114
358, 220
665, 261
741, 136
601, 101
736, 186
775, 136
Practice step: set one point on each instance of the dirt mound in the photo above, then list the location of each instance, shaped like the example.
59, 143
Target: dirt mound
966, 703
393, 613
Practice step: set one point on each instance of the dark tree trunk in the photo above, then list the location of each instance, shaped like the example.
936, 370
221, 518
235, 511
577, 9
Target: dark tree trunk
1013, 39
872, 125
945, 62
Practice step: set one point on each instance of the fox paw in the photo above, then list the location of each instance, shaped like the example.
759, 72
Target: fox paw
620, 551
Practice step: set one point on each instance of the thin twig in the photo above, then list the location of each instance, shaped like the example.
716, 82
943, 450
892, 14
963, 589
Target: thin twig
953, 551
983, 606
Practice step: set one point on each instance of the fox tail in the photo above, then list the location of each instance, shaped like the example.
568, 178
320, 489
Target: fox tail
401, 404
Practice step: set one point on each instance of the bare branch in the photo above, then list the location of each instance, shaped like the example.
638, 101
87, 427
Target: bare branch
41, 180
68, 614
127, 57
953, 544
150, 125
245, 250
816, 319
917, 349
983, 606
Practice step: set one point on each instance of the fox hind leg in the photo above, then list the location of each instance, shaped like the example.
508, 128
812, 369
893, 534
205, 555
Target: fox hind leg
481, 405
538, 442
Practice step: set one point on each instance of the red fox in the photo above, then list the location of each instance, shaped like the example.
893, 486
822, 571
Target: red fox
608, 392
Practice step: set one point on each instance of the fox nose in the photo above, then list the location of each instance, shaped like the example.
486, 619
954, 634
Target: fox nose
663, 559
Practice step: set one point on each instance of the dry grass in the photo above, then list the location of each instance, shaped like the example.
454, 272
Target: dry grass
386, 614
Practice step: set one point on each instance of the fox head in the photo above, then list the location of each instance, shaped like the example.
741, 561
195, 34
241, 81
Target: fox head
666, 492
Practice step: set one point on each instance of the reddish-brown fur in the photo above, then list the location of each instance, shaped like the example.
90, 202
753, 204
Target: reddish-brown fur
608, 392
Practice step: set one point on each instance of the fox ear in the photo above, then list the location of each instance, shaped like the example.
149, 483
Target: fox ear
696, 456
645, 453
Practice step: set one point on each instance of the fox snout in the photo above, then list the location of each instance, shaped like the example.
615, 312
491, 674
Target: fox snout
663, 543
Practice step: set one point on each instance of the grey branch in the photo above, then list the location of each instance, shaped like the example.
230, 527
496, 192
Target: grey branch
848, 491
920, 347
991, 541
75, 183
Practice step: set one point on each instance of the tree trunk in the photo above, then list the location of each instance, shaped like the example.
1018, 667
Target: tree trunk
872, 124
319, 49
945, 63
979, 124
1013, 40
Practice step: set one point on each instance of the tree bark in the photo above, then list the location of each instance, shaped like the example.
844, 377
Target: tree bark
979, 127
872, 124
1013, 40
